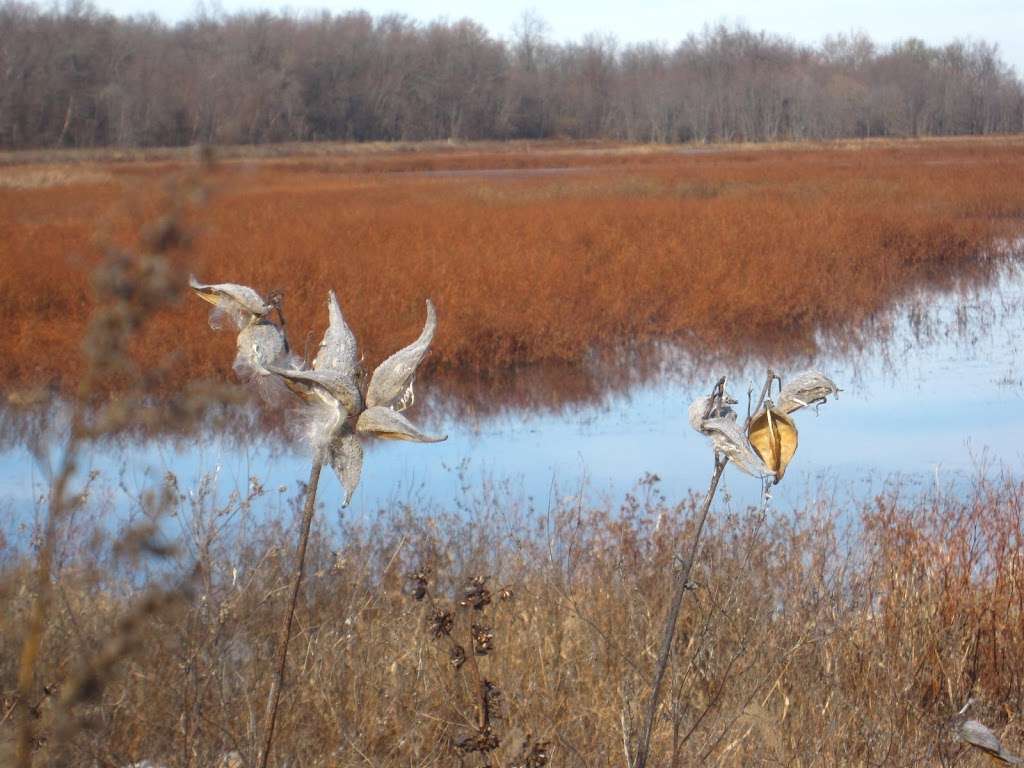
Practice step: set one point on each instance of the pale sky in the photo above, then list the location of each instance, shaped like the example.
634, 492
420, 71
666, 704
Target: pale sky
807, 21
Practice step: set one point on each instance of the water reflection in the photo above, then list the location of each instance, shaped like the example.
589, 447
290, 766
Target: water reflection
932, 388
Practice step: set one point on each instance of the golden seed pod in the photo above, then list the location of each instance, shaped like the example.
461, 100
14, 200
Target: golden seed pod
772, 434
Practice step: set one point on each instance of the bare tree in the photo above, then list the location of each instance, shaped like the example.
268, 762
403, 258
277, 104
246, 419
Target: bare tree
73, 76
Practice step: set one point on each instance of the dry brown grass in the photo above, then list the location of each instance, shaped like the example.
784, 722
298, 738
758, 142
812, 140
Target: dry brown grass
765, 250
843, 636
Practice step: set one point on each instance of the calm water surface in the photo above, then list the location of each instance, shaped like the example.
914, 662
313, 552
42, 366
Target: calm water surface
934, 401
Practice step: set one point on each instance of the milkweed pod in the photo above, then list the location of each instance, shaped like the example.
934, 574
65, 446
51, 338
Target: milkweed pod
391, 384
237, 303
805, 389
338, 350
727, 437
259, 344
390, 425
345, 455
701, 409
772, 434
317, 386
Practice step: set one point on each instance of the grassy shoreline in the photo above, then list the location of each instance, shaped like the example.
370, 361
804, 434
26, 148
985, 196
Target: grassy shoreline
808, 638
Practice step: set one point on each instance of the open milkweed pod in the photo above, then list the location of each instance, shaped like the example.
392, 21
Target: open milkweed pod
806, 388
345, 455
727, 438
339, 413
388, 424
391, 385
260, 343
239, 304
773, 436
702, 409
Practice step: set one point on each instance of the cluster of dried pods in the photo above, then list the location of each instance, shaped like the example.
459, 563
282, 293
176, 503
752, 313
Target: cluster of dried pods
340, 405
767, 443
342, 408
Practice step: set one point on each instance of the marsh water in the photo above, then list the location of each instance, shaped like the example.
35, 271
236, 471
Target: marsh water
935, 398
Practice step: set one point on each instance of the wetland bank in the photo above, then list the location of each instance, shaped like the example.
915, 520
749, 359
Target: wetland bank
584, 296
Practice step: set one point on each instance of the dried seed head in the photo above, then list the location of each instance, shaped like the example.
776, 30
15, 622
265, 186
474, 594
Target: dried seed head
483, 639
387, 424
240, 303
391, 385
492, 699
806, 388
773, 435
534, 754
482, 741
457, 656
345, 455
710, 407
441, 623
475, 595
418, 585
338, 350
259, 344
728, 439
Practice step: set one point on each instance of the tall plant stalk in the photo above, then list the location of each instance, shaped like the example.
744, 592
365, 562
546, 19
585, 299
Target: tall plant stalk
681, 588
343, 410
682, 580
284, 638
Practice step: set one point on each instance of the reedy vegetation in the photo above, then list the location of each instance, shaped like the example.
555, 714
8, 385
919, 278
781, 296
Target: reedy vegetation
844, 635
626, 249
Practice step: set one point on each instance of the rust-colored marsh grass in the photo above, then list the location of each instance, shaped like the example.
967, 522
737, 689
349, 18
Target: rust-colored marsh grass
539, 254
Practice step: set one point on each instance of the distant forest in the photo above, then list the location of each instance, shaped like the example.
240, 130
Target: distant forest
72, 76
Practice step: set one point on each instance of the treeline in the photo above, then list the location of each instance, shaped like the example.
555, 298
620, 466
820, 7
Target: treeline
72, 76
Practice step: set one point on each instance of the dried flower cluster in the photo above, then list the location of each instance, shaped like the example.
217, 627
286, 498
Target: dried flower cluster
534, 754
443, 623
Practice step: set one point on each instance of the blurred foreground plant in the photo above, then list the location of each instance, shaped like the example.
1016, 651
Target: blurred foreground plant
131, 286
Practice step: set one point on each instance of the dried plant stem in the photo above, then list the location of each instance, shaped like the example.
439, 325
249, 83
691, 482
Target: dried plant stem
286, 627
772, 376
33, 641
682, 584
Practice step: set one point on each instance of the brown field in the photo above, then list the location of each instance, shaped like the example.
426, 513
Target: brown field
537, 254
844, 636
